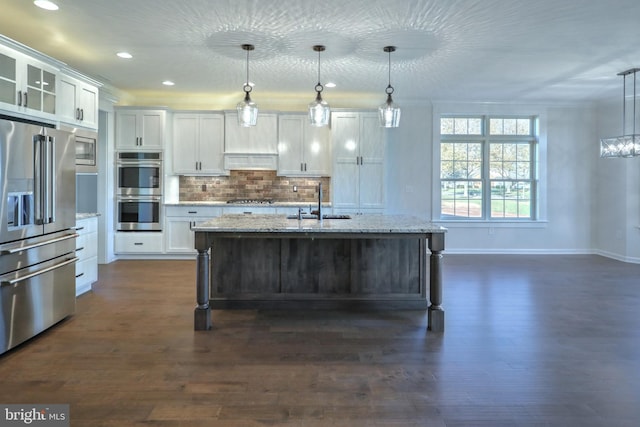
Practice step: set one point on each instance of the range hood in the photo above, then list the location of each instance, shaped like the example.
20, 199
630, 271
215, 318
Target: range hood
246, 161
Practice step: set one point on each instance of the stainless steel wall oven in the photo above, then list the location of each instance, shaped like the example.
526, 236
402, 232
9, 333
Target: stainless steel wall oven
139, 213
139, 173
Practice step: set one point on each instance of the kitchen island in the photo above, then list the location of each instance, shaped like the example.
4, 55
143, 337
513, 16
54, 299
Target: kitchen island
270, 261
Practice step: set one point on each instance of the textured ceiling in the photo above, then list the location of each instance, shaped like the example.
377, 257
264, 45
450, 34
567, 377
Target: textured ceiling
455, 50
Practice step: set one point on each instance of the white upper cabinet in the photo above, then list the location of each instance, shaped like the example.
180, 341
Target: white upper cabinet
303, 150
259, 139
140, 129
198, 144
358, 163
77, 102
27, 85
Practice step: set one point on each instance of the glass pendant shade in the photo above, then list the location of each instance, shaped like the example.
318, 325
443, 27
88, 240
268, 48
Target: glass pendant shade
627, 145
247, 109
319, 110
389, 113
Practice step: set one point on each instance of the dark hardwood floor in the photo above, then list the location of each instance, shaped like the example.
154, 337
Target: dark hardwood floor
529, 341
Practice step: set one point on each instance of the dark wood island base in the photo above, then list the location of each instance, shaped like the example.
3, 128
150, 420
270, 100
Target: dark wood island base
268, 261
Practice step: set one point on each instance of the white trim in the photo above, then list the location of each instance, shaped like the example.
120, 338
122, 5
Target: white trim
504, 251
607, 254
491, 224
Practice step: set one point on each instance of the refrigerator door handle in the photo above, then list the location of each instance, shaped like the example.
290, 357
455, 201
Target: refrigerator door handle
38, 179
38, 273
50, 173
37, 245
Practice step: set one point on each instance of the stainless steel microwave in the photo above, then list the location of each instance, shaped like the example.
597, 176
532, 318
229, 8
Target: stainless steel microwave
86, 150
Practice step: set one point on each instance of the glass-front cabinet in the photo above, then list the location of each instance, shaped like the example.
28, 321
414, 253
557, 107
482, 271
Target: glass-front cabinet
26, 84
8, 81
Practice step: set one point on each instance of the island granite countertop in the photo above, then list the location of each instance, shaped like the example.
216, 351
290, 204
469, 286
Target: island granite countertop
275, 223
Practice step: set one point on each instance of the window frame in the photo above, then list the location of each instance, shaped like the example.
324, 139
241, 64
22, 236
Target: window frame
537, 142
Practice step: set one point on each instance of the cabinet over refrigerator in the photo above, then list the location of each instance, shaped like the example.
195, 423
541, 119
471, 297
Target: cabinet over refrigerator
37, 236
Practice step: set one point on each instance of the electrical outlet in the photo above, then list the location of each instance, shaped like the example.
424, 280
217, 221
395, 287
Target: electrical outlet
295, 188
204, 187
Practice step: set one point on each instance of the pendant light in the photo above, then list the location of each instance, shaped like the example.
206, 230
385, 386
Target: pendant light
247, 109
389, 111
319, 110
627, 145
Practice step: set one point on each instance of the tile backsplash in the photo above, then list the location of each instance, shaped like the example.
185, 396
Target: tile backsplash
252, 184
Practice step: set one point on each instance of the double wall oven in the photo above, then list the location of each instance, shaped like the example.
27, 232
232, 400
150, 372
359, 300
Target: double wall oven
139, 191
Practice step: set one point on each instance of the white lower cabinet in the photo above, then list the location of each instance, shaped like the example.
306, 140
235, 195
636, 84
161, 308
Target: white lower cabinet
179, 237
143, 242
87, 253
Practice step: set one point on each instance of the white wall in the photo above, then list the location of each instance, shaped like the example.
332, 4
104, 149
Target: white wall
569, 144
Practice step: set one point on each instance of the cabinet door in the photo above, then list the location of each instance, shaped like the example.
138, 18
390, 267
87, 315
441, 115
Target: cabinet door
372, 148
41, 89
211, 144
140, 129
67, 100
126, 130
88, 104
180, 237
8, 79
290, 137
345, 174
152, 129
185, 140
316, 149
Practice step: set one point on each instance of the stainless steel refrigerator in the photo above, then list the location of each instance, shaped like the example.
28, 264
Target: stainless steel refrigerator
37, 230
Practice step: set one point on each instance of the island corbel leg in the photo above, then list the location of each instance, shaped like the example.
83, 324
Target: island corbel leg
435, 316
202, 314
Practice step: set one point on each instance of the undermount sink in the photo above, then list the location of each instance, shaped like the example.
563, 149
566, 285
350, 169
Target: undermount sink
328, 216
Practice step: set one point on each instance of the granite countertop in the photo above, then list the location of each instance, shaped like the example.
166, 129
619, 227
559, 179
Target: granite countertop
251, 205
280, 224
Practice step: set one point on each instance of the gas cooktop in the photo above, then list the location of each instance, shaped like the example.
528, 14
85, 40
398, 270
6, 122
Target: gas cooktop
250, 201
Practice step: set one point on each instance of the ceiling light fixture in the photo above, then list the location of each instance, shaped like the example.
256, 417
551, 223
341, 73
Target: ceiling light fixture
124, 55
627, 145
319, 110
168, 83
389, 111
46, 4
247, 109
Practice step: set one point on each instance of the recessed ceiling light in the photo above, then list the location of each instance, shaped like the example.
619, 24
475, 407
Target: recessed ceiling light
46, 4
124, 55
330, 84
168, 83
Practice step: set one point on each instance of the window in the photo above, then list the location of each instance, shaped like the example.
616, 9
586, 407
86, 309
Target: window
487, 168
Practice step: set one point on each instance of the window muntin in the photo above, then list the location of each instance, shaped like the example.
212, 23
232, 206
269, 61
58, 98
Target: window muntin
502, 161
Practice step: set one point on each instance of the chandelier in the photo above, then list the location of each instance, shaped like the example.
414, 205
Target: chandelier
627, 145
